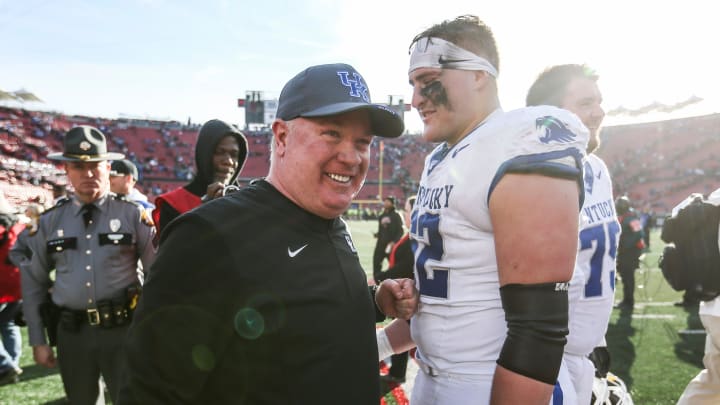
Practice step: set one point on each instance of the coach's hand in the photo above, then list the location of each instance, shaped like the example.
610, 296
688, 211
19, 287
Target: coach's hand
397, 298
44, 356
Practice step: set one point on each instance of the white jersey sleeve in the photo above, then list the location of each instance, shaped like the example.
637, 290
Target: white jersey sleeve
460, 326
547, 140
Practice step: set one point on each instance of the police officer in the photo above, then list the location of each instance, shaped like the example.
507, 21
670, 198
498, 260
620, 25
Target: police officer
93, 241
123, 177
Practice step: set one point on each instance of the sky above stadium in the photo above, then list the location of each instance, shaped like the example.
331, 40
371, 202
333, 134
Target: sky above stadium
168, 59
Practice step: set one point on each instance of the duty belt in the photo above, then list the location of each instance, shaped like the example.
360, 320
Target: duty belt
93, 316
107, 315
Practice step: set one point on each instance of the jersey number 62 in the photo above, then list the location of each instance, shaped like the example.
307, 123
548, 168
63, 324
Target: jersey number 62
427, 245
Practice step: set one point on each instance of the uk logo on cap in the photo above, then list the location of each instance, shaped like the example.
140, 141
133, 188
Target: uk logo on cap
356, 84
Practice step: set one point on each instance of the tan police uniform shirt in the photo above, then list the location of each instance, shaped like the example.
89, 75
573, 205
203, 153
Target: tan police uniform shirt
92, 263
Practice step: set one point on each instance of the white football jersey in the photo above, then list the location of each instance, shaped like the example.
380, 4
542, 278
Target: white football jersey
460, 325
592, 288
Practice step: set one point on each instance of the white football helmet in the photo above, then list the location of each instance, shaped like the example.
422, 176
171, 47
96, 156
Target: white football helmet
610, 391
600, 392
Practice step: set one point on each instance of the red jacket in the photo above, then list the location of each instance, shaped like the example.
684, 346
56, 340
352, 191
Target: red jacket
179, 199
9, 273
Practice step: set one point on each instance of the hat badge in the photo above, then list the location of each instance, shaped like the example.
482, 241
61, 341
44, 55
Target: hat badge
85, 145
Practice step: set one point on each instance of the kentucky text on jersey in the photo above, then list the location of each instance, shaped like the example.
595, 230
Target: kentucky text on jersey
434, 198
599, 211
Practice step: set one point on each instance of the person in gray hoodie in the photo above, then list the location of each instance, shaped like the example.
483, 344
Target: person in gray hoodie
220, 153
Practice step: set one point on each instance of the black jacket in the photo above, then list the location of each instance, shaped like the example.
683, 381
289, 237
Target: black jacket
631, 244
390, 227
252, 300
403, 261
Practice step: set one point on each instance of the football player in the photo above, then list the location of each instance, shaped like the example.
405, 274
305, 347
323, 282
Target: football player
592, 288
494, 228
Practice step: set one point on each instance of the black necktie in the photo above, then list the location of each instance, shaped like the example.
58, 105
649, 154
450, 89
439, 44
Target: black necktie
87, 212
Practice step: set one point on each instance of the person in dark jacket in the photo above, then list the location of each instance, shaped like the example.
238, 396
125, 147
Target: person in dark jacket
401, 264
401, 260
259, 297
630, 248
220, 153
390, 230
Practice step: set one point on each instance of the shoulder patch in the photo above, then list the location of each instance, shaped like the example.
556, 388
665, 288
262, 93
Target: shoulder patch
60, 203
146, 219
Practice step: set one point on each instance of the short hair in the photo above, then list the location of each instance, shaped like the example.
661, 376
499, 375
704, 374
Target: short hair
391, 199
550, 86
467, 32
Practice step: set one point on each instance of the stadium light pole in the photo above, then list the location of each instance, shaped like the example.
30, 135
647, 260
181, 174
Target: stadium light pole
396, 103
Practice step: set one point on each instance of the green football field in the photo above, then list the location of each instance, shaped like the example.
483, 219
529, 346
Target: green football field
656, 350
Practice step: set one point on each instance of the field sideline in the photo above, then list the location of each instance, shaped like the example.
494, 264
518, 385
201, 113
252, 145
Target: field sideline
656, 351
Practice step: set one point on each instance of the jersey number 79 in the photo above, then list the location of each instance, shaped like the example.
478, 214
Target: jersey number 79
593, 286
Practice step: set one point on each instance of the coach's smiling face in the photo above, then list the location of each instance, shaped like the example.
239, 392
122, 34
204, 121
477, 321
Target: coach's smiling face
321, 163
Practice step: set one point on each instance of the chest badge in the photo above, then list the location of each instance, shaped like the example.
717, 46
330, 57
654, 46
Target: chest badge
115, 224
60, 233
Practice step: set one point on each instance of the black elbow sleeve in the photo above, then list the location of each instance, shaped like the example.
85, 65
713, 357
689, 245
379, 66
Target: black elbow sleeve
537, 321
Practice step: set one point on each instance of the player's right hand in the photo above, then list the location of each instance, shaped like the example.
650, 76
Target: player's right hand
44, 356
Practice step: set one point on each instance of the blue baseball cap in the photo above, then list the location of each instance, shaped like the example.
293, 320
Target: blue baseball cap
324, 90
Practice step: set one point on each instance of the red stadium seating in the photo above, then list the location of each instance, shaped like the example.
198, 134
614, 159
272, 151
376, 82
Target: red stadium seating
656, 164
659, 164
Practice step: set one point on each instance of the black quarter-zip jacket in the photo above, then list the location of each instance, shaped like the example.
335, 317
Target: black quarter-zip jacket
253, 300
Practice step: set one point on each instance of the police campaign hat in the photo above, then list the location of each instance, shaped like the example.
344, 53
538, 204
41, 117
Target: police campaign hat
324, 90
123, 167
85, 144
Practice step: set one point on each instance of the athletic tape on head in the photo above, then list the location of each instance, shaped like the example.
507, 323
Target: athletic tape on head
438, 53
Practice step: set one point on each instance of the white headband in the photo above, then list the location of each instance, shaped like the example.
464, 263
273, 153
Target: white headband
438, 53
